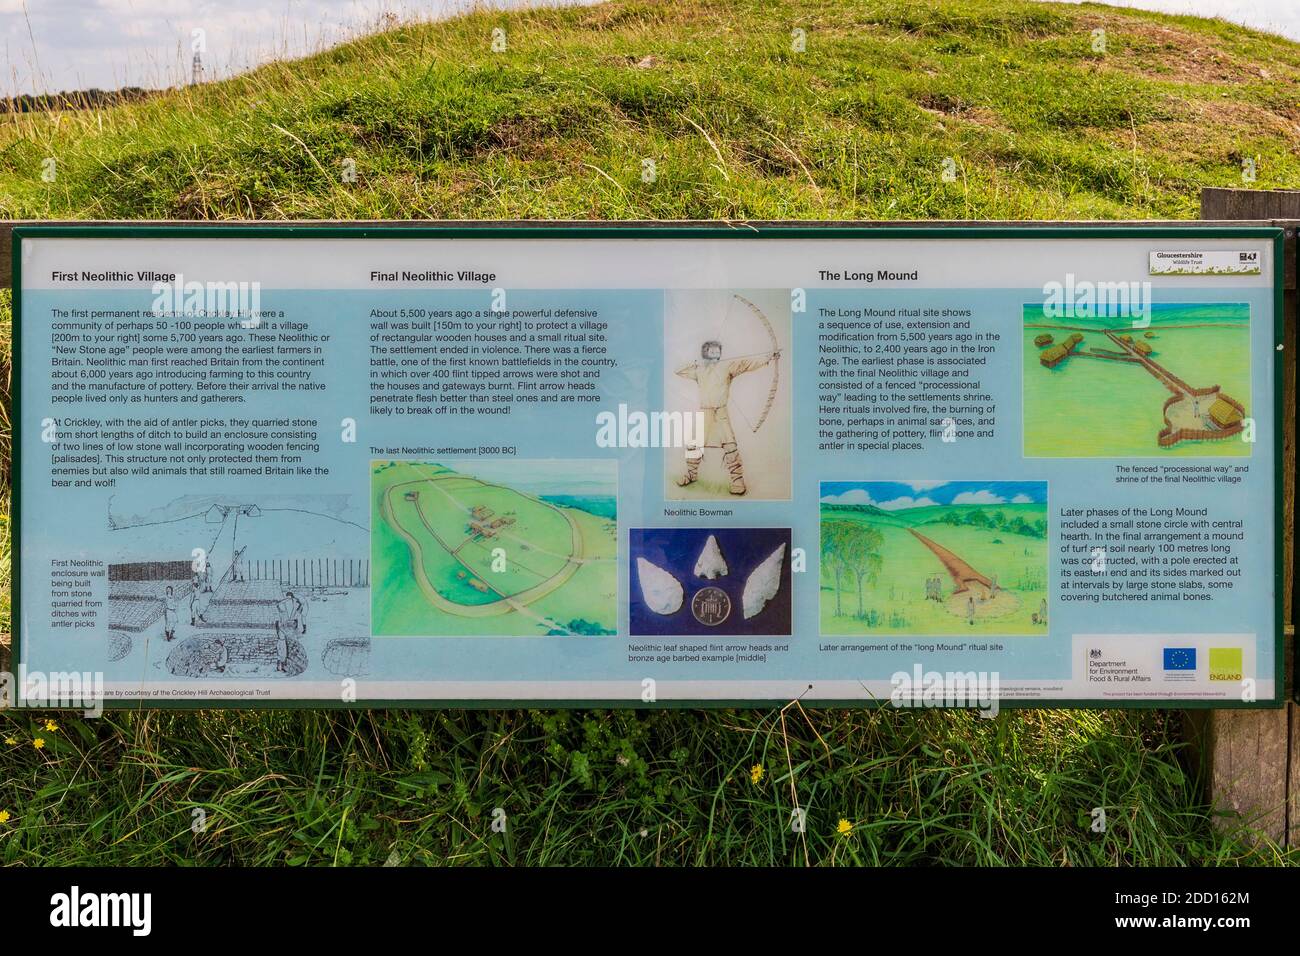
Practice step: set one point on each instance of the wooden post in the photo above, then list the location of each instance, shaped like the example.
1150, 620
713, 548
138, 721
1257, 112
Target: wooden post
1251, 758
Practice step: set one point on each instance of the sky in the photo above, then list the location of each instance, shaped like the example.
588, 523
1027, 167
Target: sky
1275, 16
47, 46
53, 45
901, 495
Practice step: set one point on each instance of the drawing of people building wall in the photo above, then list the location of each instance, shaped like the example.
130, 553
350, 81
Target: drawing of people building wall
235, 588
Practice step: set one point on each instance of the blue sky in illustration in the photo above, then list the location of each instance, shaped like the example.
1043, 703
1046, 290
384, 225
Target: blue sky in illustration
898, 495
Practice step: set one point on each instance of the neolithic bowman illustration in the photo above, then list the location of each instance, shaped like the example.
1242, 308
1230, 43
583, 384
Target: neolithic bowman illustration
727, 365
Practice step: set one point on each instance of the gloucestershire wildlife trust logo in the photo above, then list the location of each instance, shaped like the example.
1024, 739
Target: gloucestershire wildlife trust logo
75, 909
1206, 262
72, 690
1225, 664
1084, 299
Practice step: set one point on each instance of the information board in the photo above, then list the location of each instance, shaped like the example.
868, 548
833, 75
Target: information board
649, 465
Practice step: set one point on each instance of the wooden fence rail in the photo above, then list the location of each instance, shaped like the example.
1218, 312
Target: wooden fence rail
308, 572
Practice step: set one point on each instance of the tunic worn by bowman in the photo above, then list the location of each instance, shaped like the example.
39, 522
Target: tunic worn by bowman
714, 377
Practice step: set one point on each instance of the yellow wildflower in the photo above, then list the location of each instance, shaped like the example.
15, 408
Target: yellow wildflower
11, 741
844, 828
51, 726
756, 773
4, 816
39, 743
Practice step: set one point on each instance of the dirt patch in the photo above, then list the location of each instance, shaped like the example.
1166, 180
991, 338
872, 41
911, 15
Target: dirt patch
943, 104
1247, 118
1163, 52
1201, 123
948, 109
999, 605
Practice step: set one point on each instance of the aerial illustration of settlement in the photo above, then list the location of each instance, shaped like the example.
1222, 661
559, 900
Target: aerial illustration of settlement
1096, 387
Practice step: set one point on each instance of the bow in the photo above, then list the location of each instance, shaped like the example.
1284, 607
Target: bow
776, 361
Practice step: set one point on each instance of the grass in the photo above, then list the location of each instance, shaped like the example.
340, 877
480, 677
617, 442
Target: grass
604, 788
738, 125
1034, 122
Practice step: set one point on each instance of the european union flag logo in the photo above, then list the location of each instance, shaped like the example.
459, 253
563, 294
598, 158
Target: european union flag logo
1180, 658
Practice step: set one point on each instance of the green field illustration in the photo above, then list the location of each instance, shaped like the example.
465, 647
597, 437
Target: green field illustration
494, 548
1096, 387
933, 558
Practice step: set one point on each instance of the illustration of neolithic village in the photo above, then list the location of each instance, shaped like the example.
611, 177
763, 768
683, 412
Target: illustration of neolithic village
1097, 387
937, 558
495, 548
233, 587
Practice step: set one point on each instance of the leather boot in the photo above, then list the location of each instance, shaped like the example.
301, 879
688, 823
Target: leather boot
731, 461
692, 471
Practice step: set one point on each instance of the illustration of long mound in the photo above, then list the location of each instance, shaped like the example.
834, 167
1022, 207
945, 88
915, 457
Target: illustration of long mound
974, 595
964, 577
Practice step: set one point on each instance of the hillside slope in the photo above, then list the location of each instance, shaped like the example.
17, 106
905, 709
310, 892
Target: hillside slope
737, 123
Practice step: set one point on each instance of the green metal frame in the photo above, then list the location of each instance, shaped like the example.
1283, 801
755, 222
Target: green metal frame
641, 230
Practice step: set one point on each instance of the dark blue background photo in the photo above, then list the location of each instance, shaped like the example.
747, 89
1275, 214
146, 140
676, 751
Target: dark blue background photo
676, 551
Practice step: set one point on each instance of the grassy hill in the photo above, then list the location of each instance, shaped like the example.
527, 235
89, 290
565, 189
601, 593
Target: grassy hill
737, 124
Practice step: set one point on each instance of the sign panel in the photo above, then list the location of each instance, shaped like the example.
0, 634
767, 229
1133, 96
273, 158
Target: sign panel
688, 464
